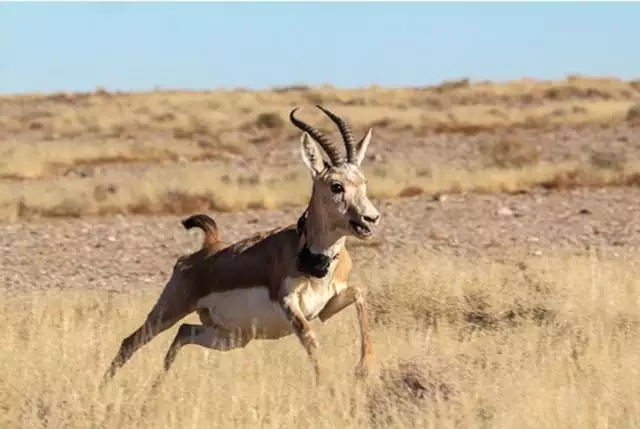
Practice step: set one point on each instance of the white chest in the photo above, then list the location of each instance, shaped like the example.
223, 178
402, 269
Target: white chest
313, 299
313, 295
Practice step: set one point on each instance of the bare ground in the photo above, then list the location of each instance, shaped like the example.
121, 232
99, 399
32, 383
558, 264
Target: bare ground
127, 252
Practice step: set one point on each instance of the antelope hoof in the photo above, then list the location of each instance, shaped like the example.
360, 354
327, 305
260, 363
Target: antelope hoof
106, 379
362, 370
319, 379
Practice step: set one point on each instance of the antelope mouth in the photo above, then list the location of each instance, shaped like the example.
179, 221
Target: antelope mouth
361, 229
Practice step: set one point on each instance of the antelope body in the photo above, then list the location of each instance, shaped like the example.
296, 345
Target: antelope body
272, 284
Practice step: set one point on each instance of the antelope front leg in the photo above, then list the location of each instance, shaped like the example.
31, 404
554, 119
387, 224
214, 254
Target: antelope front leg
338, 303
291, 306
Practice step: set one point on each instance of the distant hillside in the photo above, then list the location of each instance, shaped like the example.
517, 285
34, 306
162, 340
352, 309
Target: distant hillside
456, 106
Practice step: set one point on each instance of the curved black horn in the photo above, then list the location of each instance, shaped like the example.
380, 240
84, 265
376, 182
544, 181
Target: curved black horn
334, 155
345, 130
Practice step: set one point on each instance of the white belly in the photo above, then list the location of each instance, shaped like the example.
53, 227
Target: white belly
251, 310
248, 309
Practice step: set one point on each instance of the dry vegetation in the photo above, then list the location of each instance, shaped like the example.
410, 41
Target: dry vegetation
550, 342
489, 311
72, 154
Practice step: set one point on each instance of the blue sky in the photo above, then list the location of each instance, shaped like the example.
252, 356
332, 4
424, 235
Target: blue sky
134, 46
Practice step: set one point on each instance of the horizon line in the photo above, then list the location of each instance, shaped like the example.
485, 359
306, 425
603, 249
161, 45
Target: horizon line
304, 86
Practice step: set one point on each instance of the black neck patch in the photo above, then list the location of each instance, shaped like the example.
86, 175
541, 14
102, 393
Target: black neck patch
312, 264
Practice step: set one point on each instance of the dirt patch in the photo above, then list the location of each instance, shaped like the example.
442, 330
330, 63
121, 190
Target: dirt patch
119, 252
409, 389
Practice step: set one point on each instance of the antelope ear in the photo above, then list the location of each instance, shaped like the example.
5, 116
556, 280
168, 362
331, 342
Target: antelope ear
361, 148
311, 155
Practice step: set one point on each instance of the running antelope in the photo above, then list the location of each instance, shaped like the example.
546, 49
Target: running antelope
273, 284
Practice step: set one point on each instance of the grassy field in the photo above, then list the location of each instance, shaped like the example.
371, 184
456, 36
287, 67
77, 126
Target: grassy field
532, 338
544, 342
175, 151
461, 106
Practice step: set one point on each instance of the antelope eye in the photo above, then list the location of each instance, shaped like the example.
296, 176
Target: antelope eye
337, 188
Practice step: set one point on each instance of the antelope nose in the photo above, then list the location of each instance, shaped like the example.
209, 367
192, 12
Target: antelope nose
372, 218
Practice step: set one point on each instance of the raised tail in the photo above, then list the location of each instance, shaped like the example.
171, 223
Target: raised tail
206, 224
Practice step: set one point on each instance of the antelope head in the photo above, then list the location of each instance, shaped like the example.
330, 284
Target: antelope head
339, 193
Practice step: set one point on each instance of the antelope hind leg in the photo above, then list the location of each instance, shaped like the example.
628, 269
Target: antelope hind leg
211, 337
149, 330
171, 306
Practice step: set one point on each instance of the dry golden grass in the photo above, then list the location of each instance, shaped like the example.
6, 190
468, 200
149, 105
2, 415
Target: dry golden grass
260, 115
203, 187
540, 343
19, 160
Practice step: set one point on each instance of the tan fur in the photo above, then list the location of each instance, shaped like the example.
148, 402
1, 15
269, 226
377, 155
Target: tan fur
252, 289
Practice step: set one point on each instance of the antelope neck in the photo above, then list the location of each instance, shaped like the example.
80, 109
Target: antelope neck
307, 262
